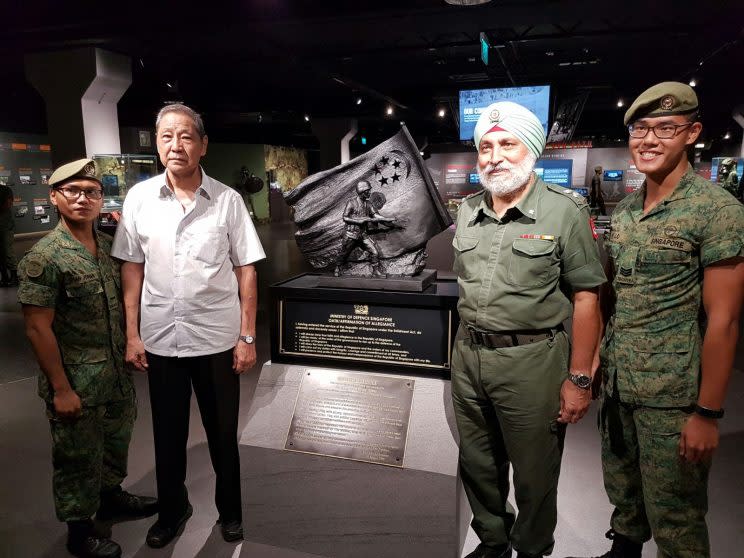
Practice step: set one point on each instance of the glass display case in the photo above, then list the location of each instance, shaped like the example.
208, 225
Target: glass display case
118, 173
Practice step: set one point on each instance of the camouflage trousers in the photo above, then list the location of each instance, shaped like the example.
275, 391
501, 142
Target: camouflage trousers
654, 492
89, 455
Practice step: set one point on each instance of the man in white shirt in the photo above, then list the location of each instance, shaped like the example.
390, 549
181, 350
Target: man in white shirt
189, 286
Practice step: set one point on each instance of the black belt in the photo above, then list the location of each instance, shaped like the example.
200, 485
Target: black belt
500, 340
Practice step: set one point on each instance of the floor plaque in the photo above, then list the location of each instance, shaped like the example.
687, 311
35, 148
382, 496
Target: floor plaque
352, 415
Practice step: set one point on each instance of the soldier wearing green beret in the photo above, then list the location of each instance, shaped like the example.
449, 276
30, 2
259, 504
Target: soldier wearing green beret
676, 247
70, 292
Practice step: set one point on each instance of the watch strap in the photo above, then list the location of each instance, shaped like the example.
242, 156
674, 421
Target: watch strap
708, 413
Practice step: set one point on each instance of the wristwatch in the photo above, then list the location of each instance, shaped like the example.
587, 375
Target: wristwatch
708, 413
247, 339
580, 380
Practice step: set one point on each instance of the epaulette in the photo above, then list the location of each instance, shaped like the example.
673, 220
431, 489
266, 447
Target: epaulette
573, 195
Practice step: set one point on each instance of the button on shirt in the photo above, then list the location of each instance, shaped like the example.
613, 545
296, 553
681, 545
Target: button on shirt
190, 304
515, 272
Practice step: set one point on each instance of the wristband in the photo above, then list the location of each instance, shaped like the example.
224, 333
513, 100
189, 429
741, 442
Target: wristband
708, 413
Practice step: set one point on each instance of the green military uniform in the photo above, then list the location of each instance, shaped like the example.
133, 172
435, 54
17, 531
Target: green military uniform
651, 359
90, 452
516, 274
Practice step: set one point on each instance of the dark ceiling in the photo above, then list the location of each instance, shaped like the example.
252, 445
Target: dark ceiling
255, 68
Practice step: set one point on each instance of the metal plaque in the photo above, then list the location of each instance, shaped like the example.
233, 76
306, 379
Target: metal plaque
352, 415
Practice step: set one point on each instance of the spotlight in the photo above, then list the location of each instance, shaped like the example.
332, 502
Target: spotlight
693, 83
441, 113
727, 135
307, 118
389, 110
358, 100
620, 103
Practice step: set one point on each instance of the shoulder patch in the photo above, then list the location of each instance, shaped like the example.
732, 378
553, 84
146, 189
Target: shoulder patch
34, 266
572, 195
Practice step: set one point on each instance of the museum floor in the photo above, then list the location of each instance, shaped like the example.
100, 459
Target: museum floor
297, 505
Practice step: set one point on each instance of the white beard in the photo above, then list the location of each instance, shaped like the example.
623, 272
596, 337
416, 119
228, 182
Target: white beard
510, 179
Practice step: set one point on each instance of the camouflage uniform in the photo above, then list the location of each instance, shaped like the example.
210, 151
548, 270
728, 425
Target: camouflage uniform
89, 454
514, 274
651, 359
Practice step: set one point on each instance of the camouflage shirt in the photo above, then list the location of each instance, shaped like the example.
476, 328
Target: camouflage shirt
84, 290
651, 350
517, 272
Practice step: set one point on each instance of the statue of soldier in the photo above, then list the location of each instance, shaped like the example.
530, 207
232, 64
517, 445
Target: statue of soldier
358, 213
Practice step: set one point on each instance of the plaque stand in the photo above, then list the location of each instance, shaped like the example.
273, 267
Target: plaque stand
432, 433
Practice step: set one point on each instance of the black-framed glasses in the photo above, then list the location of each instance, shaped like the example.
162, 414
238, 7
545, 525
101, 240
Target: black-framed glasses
72, 193
661, 131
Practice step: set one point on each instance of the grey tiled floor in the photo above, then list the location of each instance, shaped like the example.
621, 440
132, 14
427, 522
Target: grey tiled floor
299, 505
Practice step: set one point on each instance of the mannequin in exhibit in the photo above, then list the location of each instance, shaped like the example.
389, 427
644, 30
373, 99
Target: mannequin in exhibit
596, 201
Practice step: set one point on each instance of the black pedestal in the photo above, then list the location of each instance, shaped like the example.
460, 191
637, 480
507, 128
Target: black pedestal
405, 332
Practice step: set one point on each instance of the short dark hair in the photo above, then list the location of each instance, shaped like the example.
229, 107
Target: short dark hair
182, 109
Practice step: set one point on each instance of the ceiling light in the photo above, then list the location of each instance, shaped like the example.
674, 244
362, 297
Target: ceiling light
168, 85
693, 83
549, 53
620, 103
389, 110
441, 113
727, 135
307, 118
358, 100
699, 146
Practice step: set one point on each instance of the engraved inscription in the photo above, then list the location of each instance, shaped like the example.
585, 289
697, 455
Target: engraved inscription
352, 415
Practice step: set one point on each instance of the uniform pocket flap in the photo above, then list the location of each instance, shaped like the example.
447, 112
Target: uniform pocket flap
665, 256
84, 289
465, 243
533, 246
84, 355
659, 343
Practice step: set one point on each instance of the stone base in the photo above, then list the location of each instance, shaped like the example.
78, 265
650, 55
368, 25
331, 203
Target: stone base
417, 283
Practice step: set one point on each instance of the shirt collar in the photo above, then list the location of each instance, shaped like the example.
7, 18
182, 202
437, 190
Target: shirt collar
527, 206
205, 189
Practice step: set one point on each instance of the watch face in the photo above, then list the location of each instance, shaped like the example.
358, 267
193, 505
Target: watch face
247, 338
582, 381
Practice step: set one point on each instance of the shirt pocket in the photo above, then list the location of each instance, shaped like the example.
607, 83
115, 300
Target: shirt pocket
466, 260
208, 245
85, 289
531, 262
658, 365
660, 265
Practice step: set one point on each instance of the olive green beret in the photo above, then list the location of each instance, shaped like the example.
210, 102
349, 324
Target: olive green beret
663, 99
82, 168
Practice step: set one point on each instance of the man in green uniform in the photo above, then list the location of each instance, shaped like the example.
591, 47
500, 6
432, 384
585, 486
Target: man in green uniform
525, 254
676, 247
70, 292
8, 275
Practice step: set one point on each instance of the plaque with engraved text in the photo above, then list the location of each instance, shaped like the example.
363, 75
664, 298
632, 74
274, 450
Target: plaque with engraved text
352, 415
373, 333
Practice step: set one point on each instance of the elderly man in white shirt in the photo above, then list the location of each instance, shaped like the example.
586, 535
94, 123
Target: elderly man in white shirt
188, 245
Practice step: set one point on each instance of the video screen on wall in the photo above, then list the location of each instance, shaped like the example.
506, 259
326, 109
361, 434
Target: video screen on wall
555, 171
474, 101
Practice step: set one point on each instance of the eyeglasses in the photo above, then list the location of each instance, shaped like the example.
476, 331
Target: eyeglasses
74, 193
661, 131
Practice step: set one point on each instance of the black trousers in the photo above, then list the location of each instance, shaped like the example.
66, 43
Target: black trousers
217, 390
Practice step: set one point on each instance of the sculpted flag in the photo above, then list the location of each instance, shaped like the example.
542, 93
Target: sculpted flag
402, 189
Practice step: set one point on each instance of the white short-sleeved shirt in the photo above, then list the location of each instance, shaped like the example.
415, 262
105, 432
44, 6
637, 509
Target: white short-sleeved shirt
190, 304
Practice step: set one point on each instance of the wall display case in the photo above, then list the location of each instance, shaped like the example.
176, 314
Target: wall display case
118, 173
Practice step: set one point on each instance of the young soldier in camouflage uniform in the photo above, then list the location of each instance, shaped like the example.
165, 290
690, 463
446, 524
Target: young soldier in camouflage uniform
525, 257
70, 292
677, 245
